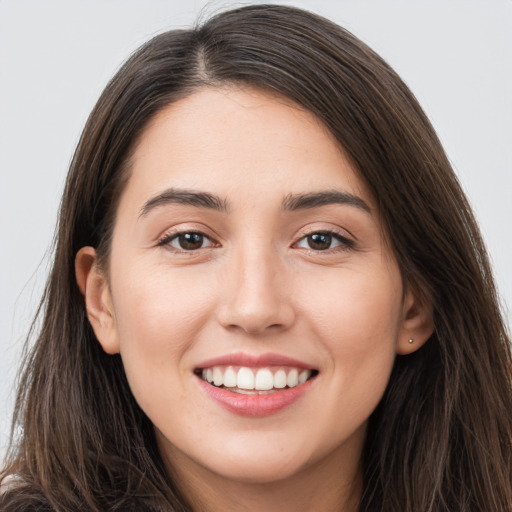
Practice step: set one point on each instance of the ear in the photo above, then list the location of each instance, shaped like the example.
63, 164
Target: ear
417, 322
98, 301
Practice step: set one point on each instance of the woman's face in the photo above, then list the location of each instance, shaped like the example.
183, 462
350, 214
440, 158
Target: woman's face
247, 250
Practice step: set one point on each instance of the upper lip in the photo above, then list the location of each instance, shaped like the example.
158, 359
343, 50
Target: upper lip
254, 361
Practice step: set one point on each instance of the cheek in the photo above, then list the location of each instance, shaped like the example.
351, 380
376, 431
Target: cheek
352, 304
158, 316
159, 308
356, 316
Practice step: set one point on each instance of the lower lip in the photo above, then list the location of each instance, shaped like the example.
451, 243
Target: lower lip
255, 405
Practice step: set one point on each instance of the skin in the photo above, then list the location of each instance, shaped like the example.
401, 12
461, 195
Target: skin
254, 286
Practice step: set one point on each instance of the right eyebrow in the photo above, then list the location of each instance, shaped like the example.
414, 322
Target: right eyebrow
187, 197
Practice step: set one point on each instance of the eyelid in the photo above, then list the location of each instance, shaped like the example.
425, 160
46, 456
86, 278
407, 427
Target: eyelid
174, 232
204, 239
345, 242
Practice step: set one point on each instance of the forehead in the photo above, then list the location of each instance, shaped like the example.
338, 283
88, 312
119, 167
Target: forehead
219, 139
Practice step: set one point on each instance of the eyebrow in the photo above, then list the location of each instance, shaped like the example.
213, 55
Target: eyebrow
295, 202
292, 202
186, 197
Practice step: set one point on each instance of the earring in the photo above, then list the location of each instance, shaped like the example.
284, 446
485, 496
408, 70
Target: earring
411, 341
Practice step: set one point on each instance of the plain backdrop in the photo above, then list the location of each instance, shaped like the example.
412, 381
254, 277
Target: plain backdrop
56, 57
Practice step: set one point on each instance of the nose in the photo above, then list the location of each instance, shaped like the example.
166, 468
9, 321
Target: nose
257, 296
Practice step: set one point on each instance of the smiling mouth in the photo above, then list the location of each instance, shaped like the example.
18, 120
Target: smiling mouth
255, 381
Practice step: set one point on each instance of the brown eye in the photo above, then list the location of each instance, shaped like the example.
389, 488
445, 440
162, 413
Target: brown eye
324, 240
189, 241
319, 241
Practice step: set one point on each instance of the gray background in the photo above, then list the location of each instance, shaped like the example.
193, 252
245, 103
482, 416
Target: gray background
56, 57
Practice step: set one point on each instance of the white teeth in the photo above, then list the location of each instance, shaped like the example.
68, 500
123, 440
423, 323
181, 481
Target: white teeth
230, 378
218, 376
293, 378
248, 379
304, 376
264, 379
280, 379
245, 378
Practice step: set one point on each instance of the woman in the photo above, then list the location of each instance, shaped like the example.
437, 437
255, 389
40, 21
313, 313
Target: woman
268, 293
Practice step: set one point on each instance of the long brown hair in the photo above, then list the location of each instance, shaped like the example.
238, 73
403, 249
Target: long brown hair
441, 438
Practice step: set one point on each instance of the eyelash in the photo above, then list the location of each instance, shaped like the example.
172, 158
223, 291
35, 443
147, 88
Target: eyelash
169, 237
344, 242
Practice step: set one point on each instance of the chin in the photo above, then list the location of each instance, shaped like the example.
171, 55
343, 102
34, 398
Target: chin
259, 472
263, 460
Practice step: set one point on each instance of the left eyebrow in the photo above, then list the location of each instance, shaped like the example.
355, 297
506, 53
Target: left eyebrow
293, 202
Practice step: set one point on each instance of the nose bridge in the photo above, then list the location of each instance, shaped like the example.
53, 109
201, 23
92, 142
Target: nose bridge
256, 298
